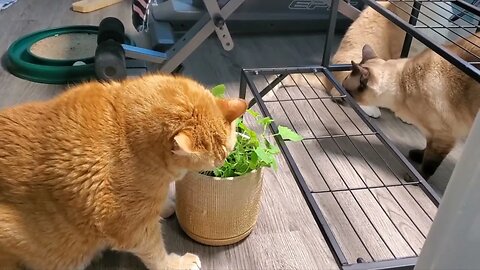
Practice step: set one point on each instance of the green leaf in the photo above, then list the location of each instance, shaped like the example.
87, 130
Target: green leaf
288, 134
265, 121
274, 149
219, 90
263, 155
253, 113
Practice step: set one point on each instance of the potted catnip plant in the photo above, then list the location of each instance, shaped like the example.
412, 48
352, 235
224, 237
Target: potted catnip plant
221, 207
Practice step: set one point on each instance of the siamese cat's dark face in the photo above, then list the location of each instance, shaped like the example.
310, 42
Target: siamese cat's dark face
359, 82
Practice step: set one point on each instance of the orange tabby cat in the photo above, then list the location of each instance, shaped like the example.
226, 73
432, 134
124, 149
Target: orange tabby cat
90, 169
427, 91
373, 28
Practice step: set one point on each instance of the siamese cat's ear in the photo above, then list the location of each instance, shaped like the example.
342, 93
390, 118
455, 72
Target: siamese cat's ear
367, 53
363, 73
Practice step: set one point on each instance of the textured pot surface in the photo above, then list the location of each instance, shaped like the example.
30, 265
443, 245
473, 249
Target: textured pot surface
218, 211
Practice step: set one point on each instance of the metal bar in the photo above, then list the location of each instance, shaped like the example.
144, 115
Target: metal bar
454, 59
362, 188
448, 27
467, 6
331, 31
219, 24
446, 37
397, 264
381, 136
199, 32
243, 86
455, 8
276, 71
348, 10
332, 136
301, 69
269, 87
413, 21
312, 205
144, 54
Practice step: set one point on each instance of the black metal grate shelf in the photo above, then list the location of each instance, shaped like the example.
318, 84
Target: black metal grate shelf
436, 23
365, 196
369, 202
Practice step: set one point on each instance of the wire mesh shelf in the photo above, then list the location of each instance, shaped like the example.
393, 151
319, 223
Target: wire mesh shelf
437, 23
370, 203
372, 206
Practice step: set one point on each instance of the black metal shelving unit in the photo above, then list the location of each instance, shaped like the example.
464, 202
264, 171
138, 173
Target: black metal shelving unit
448, 25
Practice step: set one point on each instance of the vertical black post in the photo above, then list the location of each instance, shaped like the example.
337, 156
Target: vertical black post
413, 21
331, 31
243, 85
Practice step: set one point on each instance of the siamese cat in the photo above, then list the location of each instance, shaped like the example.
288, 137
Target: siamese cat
425, 90
383, 36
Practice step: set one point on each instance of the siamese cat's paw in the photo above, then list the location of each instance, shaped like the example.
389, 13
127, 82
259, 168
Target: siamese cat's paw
371, 111
336, 96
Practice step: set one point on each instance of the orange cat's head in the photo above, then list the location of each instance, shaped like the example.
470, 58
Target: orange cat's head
211, 136
178, 119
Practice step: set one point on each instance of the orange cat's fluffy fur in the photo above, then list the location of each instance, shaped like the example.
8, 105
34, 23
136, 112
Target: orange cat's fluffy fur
90, 169
425, 90
373, 28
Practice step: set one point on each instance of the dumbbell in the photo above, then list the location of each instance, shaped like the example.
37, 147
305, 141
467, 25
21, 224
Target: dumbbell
110, 61
111, 28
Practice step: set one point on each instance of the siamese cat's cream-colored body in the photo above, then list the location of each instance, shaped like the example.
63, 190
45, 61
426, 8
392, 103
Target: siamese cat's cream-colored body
427, 91
380, 33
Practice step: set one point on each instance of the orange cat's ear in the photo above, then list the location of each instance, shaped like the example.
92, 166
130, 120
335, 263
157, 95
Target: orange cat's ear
367, 53
232, 108
182, 144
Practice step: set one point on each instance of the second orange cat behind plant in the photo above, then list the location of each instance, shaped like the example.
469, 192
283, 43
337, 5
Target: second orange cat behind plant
90, 169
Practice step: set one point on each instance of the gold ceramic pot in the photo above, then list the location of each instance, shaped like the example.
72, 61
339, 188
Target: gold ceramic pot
218, 211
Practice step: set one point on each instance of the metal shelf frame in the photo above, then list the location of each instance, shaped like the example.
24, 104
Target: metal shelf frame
411, 27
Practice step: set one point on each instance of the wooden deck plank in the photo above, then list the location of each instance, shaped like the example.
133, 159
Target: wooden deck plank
297, 119
326, 118
342, 166
413, 209
307, 167
359, 162
313, 121
346, 236
423, 200
315, 84
392, 163
383, 224
375, 160
302, 83
324, 165
401, 220
374, 243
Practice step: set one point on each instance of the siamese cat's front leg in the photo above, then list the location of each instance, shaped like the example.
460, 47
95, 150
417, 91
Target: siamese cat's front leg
432, 156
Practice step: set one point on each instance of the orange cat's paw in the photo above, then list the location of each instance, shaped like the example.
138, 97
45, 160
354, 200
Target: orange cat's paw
168, 208
188, 261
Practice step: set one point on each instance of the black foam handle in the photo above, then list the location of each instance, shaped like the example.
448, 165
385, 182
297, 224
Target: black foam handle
111, 28
110, 61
